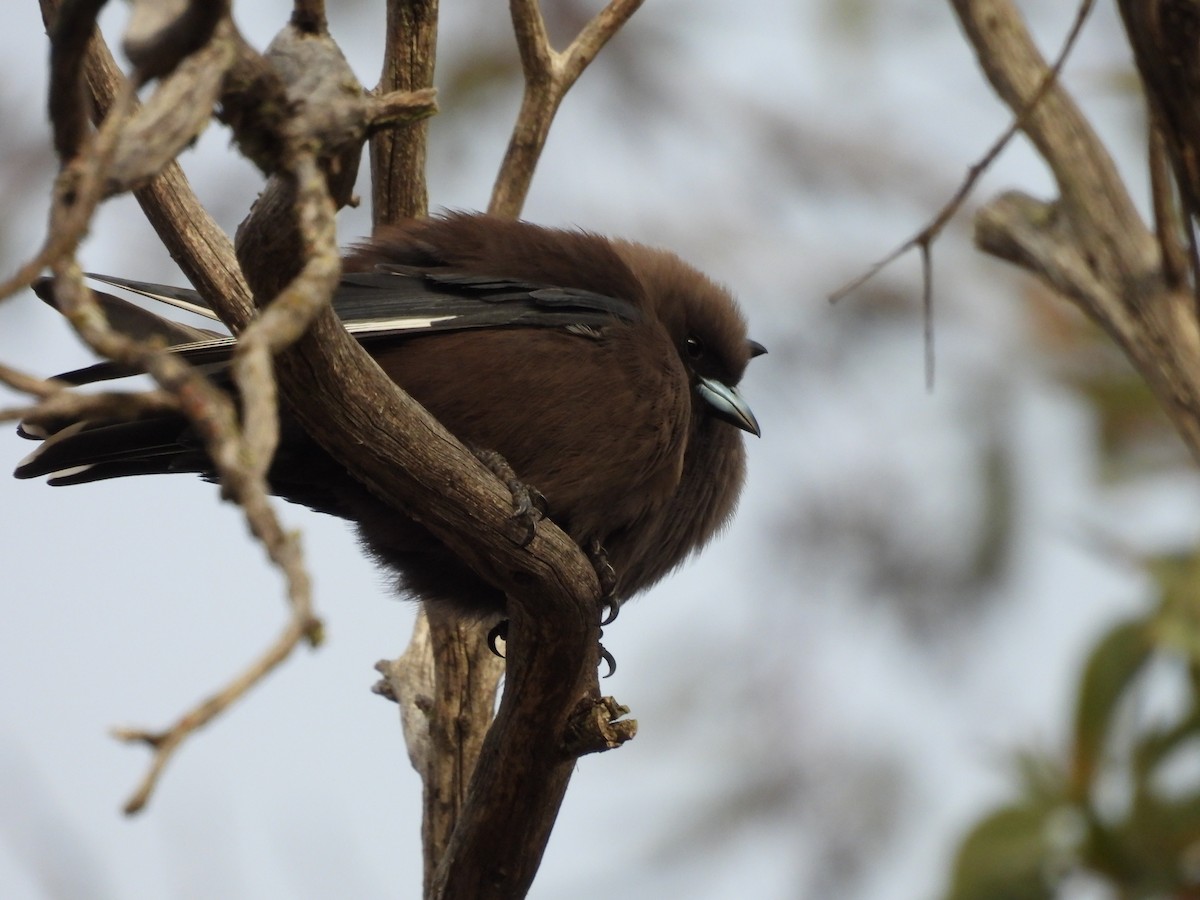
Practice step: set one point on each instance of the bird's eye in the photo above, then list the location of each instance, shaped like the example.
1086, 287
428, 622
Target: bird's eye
695, 347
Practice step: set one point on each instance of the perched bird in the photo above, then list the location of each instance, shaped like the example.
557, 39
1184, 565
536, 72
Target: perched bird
603, 372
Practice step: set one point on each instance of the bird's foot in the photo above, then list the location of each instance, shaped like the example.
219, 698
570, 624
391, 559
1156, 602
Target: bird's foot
610, 603
529, 504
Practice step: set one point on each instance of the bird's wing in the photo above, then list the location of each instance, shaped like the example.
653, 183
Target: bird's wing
133, 320
397, 300
390, 302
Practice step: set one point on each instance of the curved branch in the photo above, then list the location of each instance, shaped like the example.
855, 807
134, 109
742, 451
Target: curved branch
210, 410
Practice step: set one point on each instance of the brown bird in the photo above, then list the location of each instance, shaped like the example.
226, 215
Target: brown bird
604, 372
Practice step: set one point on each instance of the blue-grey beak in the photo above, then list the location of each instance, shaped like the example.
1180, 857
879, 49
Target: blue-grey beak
727, 404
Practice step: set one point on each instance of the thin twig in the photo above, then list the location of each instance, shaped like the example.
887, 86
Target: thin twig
287, 316
60, 404
927, 312
243, 464
927, 235
595, 34
30, 384
79, 189
165, 743
210, 411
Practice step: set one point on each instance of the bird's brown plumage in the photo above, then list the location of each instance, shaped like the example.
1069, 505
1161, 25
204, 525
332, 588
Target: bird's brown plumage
604, 417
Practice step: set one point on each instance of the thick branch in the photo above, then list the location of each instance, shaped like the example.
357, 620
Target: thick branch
398, 156
1097, 207
400, 453
1165, 37
1091, 245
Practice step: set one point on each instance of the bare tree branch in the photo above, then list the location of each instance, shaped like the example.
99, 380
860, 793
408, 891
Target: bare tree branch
931, 231
445, 685
1177, 262
548, 77
1090, 244
58, 402
924, 239
398, 155
165, 743
210, 411
1164, 35
162, 33
1092, 194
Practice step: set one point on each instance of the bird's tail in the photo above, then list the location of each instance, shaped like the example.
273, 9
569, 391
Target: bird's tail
76, 450
86, 451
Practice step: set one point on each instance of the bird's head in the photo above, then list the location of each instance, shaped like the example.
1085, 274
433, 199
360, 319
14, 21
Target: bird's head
705, 325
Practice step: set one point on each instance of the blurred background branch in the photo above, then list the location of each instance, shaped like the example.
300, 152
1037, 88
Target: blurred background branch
1112, 811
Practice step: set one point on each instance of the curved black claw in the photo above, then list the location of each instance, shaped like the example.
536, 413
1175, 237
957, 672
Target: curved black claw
609, 608
609, 660
498, 633
529, 504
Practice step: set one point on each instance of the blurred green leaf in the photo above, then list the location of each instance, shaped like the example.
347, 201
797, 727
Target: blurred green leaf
1153, 749
1110, 669
1007, 856
1139, 827
1154, 853
1178, 579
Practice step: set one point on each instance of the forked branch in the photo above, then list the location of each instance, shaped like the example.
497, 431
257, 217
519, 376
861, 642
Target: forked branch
549, 74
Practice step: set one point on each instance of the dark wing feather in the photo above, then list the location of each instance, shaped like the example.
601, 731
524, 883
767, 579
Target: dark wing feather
391, 302
398, 300
409, 299
132, 319
111, 449
214, 351
181, 298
